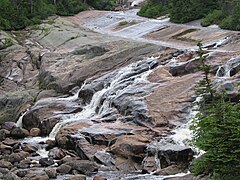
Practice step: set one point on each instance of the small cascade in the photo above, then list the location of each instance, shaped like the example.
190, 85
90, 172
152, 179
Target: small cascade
226, 70
129, 80
19, 121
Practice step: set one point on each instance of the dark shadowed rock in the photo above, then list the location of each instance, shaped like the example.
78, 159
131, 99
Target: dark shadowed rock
18, 132
46, 162
3, 134
83, 166
16, 157
21, 173
176, 154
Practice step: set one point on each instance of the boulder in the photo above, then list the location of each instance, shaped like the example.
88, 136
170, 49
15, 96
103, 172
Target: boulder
21, 173
56, 153
16, 157
8, 125
10, 142
83, 148
104, 158
130, 146
18, 132
46, 162
51, 172
11, 176
5, 149
24, 164
83, 166
35, 132
29, 148
64, 169
5, 164
175, 154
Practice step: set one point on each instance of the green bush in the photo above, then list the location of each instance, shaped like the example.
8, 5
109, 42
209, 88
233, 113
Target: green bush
213, 18
152, 10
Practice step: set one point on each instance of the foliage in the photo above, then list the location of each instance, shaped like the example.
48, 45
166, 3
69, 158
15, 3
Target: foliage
216, 131
19, 14
225, 13
103, 4
214, 17
153, 10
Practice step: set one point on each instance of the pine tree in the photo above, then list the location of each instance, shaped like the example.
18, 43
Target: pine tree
216, 131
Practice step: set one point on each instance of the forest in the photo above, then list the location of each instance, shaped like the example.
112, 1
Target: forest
225, 13
17, 14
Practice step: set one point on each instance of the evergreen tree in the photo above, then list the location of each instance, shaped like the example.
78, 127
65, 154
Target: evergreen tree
217, 132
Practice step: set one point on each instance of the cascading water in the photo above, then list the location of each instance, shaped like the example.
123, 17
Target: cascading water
225, 70
119, 82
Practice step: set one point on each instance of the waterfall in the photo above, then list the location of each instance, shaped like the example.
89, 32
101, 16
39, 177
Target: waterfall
19, 121
120, 82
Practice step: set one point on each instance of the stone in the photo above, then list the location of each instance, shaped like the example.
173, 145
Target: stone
83, 166
149, 164
11, 176
8, 125
77, 177
35, 132
16, 157
29, 148
50, 144
64, 169
46, 162
175, 154
99, 178
3, 134
22, 173
51, 172
5, 149
68, 159
4, 170
19, 133
24, 164
5, 164
83, 148
104, 158
170, 170
56, 153
130, 146
10, 142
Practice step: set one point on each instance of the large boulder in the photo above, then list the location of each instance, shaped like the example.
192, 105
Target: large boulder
130, 146
83, 166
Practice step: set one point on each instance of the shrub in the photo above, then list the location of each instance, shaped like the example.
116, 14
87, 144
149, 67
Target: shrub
213, 18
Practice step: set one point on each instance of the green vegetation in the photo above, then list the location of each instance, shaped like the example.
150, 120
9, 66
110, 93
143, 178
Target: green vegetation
153, 10
216, 131
124, 23
225, 13
19, 14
